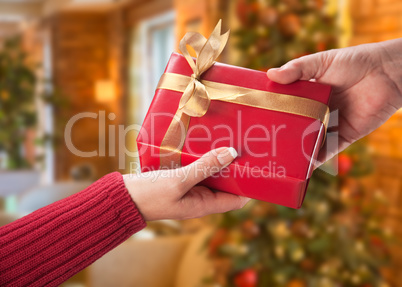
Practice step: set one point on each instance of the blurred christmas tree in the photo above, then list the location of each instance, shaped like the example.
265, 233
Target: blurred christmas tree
17, 102
275, 31
335, 239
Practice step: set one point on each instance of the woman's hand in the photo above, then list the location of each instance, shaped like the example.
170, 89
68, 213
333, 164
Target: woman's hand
172, 194
366, 83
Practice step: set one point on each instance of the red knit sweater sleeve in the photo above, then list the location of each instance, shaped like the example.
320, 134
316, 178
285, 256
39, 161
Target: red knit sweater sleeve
53, 243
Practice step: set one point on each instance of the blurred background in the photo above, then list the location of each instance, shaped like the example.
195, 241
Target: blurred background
105, 57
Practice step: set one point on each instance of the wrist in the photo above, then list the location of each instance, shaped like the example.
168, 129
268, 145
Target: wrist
131, 185
391, 60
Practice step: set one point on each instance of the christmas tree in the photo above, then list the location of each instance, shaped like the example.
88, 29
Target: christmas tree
274, 32
335, 239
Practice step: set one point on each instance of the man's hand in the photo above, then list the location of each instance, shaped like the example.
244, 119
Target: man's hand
366, 83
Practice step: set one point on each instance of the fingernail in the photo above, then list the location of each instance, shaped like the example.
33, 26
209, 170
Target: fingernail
226, 156
245, 199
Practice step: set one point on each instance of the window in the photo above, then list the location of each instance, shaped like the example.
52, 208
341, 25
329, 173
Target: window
153, 41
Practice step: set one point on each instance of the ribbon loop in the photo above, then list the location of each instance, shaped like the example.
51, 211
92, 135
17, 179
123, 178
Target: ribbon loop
195, 100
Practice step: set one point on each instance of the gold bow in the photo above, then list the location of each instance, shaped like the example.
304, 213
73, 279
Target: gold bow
197, 94
195, 100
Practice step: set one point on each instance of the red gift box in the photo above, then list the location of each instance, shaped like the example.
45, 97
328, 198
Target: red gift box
277, 149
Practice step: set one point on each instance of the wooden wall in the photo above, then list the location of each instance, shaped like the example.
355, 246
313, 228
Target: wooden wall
373, 21
86, 48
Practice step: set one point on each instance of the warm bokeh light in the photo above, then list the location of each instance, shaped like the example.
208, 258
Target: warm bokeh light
105, 91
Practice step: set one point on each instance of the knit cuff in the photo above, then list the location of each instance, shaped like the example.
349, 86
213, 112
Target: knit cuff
126, 210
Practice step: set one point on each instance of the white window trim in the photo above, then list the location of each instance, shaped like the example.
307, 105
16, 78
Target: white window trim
145, 26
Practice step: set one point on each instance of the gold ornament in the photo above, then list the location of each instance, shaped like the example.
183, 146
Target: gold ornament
280, 230
297, 255
4, 95
279, 251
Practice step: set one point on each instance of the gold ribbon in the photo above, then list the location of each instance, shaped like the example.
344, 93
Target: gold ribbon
197, 94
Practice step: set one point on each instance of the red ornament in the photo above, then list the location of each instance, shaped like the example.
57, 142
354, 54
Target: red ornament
319, 4
246, 278
376, 241
321, 46
296, 283
299, 228
268, 16
250, 229
217, 239
247, 11
289, 24
344, 164
308, 265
